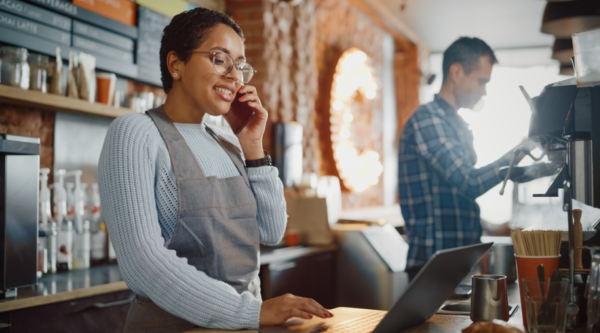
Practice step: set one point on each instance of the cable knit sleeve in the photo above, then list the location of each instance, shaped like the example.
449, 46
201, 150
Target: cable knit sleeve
126, 175
268, 191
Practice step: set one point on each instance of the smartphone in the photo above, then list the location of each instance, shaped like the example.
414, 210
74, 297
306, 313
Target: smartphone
239, 115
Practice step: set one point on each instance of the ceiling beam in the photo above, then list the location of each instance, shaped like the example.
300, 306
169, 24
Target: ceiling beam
388, 18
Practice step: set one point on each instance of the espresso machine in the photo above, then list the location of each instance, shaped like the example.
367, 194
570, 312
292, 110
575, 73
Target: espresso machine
19, 183
562, 122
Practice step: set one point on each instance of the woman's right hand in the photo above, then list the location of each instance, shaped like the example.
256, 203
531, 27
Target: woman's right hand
279, 309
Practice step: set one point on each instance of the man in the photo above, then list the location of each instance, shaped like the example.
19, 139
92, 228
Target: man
438, 181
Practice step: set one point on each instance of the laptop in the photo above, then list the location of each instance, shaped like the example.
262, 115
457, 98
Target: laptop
426, 293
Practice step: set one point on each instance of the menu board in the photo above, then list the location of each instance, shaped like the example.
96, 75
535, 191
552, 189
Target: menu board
32, 43
36, 29
151, 26
103, 50
89, 31
67, 8
35, 13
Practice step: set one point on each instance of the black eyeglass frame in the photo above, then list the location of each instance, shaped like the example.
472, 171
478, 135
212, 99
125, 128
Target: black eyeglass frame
234, 63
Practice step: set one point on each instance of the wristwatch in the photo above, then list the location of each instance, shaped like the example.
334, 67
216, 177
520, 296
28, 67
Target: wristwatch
265, 161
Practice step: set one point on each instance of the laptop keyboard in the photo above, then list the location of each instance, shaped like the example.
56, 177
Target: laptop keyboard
363, 324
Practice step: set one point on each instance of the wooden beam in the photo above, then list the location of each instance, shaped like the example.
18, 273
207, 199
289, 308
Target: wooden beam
388, 19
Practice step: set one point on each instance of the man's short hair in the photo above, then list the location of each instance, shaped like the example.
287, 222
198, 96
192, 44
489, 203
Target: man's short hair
466, 51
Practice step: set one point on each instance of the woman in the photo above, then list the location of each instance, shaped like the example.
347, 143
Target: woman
184, 213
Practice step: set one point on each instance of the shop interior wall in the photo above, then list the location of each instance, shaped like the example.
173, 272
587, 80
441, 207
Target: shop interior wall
296, 49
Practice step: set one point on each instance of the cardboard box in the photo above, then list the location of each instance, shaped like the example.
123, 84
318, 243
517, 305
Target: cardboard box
308, 216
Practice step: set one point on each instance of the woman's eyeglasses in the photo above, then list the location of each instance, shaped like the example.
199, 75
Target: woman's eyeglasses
223, 64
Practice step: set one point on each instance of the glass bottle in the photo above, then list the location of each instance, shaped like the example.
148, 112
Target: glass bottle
15, 70
64, 256
38, 72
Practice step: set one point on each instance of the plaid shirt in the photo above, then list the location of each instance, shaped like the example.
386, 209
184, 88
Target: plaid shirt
438, 182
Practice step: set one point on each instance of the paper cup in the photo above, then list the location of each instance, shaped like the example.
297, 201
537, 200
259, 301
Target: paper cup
291, 237
527, 269
106, 87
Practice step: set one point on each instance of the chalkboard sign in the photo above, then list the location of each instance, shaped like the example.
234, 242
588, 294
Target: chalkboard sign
149, 75
85, 15
104, 50
151, 26
35, 13
103, 36
32, 43
36, 29
44, 46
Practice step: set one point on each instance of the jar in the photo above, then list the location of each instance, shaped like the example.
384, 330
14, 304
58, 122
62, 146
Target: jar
38, 69
15, 70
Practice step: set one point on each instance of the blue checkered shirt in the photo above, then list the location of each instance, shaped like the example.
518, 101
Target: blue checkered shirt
438, 182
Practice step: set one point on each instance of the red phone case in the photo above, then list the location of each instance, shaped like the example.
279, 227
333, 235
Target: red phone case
239, 115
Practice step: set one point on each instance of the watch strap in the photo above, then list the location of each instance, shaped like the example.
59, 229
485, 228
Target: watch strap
265, 161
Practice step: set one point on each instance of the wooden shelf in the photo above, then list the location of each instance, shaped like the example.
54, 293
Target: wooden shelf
52, 102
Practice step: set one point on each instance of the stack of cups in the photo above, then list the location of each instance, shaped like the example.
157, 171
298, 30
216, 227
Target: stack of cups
542, 289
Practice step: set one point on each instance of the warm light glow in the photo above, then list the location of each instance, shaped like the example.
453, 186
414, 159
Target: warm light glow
353, 79
338, 105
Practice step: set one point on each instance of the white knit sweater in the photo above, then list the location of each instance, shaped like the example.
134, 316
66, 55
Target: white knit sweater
139, 195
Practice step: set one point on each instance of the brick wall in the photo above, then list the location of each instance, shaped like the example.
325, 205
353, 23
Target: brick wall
27, 121
295, 50
249, 15
407, 80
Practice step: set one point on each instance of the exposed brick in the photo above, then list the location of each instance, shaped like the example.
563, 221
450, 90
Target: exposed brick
254, 46
47, 137
256, 15
23, 117
233, 5
256, 52
239, 16
258, 40
252, 27
46, 157
25, 131
18, 120
294, 50
48, 119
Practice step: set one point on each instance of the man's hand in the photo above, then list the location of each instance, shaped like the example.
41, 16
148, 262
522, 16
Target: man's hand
524, 147
279, 309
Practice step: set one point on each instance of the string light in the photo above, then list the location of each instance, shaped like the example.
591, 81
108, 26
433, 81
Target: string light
353, 79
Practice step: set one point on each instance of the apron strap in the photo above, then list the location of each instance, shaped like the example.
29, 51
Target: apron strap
182, 158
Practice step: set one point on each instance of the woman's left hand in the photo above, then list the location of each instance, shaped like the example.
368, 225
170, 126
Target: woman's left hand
251, 136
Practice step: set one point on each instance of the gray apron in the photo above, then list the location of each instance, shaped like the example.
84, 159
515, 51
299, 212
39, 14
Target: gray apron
217, 229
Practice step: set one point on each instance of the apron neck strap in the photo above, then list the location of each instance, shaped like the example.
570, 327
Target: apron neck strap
182, 158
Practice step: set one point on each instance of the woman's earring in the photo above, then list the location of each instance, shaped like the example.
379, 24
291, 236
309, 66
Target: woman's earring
175, 75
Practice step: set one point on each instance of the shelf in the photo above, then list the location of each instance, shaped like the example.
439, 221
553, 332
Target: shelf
52, 102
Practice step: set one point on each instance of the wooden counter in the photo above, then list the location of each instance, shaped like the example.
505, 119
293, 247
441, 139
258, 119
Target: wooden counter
439, 323
60, 287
